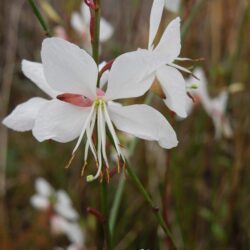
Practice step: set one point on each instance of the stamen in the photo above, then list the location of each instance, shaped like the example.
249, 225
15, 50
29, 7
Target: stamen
118, 165
89, 139
70, 161
182, 69
107, 174
83, 168
84, 128
112, 131
103, 134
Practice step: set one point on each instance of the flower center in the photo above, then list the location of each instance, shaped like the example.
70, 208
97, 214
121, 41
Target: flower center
79, 100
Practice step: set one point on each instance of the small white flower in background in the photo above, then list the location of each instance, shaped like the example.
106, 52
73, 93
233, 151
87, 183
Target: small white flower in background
214, 107
64, 217
169, 46
81, 23
46, 198
72, 230
173, 5
72, 72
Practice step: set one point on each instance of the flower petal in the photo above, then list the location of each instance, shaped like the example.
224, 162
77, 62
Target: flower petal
34, 71
131, 74
155, 19
173, 5
77, 23
174, 87
85, 11
170, 43
66, 211
60, 121
39, 202
106, 30
144, 122
43, 187
22, 118
68, 68
201, 91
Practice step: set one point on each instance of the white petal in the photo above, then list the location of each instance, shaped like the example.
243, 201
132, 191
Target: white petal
106, 30
155, 19
68, 68
22, 118
85, 11
75, 234
66, 211
60, 121
170, 43
130, 72
173, 5
43, 187
73, 247
34, 71
77, 23
104, 79
174, 87
144, 122
63, 198
201, 91
39, 202
59, 225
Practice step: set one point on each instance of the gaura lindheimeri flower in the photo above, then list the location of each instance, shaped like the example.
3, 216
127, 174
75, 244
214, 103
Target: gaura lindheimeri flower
80, 105
173, 5
47, 198
170, 79
214, 107
23, 117
81, 23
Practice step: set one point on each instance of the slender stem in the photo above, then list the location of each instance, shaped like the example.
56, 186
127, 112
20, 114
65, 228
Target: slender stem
149, 200
120, 189
122, 181
95, 41
104, 191
104, 205
40, 17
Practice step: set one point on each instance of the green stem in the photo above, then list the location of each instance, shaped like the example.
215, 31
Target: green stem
40, 18
104, 191
122, 181
121, 186
149, 200
104, 206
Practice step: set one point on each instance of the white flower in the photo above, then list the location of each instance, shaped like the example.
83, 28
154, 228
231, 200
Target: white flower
170, 79
23, 117
47, 197
44, 191
173, 5
72, 72
72, 230
214, 107
81, 22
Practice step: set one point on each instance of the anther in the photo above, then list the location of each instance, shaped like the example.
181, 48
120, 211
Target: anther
118, 166
107, 174
70, 161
